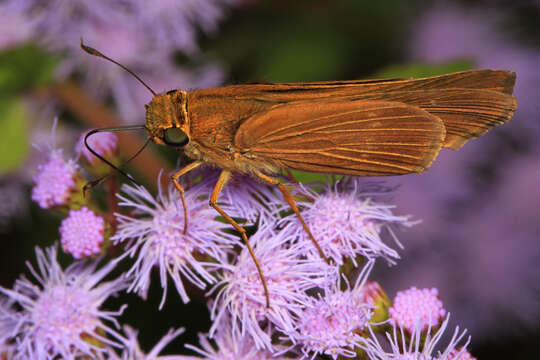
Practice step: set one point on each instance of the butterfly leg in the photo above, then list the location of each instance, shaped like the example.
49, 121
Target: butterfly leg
288, 197
294, 181
176, 183
222, 180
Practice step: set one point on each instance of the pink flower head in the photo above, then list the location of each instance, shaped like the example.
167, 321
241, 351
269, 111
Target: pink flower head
60, 313
241, 294
155, 235
104, 143
420, 345
346, 222
55, 181
332, 324
373, 292
417, 308
82, 233
460, 354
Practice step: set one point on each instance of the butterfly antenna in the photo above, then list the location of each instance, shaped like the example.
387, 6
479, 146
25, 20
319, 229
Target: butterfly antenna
93, 183
94, 52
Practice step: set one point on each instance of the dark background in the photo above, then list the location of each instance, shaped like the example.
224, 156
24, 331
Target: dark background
479, 240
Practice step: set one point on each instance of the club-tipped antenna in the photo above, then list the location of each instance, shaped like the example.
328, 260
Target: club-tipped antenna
92, 51
111, 129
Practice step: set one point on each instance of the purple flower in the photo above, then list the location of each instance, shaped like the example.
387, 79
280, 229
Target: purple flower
82, 233
228, 347
419, 345
132, 350
492, 38
460, 354
155, 235
104, 143
128, 32
163, 27
56, 178
373, 293
177, 20
55, 181
63, 311
240, 293
345, 222
9, 319
15, 28
417, 308
332, 324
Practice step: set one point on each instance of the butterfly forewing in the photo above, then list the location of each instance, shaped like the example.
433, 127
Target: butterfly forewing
466, 113
469, 103
494, 80
358, 137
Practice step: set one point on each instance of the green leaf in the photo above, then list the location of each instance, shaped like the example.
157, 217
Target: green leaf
25, 67
307, 177
418, 70
14, 146
303, 53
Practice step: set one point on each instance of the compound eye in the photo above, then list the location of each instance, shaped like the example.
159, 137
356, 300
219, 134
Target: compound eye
175, 137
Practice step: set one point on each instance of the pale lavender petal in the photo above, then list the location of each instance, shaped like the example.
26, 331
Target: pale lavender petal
63, 309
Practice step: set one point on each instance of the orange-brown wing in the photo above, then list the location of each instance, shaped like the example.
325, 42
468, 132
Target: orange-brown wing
368, 138
466, 113
469, 103
493, 80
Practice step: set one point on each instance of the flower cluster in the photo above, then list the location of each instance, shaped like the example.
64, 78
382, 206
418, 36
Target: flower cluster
346, 223
82, 233
155, 235
54, 181
273, 296
143, 36
59, 314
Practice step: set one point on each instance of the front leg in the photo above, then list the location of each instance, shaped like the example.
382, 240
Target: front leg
176, 183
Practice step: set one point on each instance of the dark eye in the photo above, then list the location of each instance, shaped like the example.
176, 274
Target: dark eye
175, 137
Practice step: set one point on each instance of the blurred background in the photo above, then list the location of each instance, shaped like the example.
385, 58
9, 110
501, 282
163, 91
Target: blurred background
479, 240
